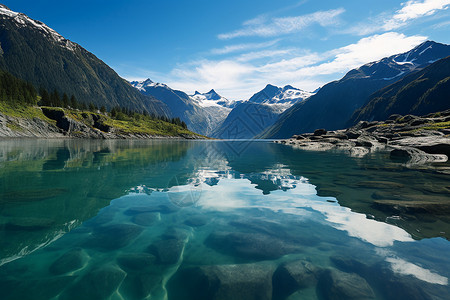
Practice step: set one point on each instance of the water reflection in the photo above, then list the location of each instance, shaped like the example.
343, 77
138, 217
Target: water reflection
112, 206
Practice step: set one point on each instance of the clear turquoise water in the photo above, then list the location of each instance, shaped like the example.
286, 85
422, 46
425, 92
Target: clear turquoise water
215, 220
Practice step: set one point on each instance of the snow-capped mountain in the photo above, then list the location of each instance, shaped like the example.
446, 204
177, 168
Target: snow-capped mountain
34, 52
23, 20
211, 98
201, 117
253, 116
333, 105
283, 97
396, 66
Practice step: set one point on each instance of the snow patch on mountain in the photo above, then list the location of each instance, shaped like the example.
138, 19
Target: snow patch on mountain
23, 21
211, 99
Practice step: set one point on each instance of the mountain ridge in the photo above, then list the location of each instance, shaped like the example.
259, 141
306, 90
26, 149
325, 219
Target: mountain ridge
334, 103
32, 51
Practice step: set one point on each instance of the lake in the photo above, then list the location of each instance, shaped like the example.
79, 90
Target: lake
217, 220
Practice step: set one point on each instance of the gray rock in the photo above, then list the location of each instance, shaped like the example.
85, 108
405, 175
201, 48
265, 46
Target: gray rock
319, 132
292, 276
223, 282
196, 221
414, 156
34, 289
358, 151
337, 285
146, 219
136, 261
352, 134
96, 285
167, 251
143, 286
250, 245
68, 262
113, 236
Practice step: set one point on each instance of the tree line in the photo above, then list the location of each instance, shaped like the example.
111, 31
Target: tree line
15, 91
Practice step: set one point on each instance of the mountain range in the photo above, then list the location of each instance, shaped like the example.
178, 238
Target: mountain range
34, 52
250, 118
420, 93
213, 115
416, 81
334, 104
201, 115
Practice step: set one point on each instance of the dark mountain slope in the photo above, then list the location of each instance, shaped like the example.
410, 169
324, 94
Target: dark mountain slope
420, 93
34, 52
334, 104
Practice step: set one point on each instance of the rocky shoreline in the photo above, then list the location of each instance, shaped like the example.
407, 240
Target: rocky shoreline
65, 127
412, 139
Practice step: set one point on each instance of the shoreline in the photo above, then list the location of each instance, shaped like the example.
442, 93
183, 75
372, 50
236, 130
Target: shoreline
410, 139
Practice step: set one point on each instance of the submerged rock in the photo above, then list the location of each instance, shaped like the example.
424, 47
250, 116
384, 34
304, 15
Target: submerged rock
35, 289
98, 284
237, 282
196, 221
250, 245
143, 286
337, 285
68, 262
413, 156
292, 276
113, 236
146, 219
154, 207
167, 251
136, 261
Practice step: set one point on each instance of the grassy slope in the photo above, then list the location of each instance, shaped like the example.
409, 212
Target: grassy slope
142, 125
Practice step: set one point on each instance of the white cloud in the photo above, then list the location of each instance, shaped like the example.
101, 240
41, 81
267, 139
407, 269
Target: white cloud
263, 27
263, 54
414, 9
410, 11
240, 77
243, 47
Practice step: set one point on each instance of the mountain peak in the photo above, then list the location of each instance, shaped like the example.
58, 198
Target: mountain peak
212, 95
3, 6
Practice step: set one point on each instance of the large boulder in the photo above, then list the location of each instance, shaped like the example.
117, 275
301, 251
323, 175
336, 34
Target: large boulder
338, 285
167, 251
68, 262
292, 276
250, 245
113, 236
223, 282
98, 284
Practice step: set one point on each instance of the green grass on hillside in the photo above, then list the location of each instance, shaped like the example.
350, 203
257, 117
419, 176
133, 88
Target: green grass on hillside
23, 111
129, 124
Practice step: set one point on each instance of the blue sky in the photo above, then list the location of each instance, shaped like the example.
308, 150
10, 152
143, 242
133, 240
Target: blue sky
237, 47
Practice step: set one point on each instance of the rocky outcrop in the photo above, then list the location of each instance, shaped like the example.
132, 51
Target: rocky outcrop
410, 139
55, 123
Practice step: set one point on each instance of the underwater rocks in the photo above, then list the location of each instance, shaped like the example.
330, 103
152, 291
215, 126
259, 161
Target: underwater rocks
96, 285
338, 285
136, 261
146, 219
221, 282
418, 140
167, 251
293, 276
196, 221
113, 237
250, 245
68, 262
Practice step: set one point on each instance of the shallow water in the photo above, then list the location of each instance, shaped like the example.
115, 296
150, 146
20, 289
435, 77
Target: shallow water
216, 220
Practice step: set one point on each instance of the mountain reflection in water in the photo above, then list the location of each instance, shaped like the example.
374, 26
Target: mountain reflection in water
178, 206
